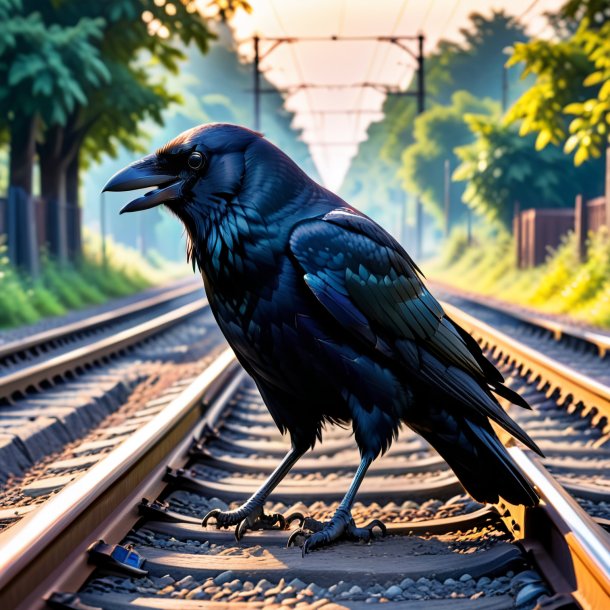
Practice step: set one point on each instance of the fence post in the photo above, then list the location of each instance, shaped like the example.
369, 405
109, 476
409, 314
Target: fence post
580, 228
517, 232
607, 190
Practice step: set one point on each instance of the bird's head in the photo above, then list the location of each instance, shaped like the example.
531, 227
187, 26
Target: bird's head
193, 174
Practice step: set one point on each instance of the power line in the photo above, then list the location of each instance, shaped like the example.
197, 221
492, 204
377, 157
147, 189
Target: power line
299, 70
528, 9
449, 18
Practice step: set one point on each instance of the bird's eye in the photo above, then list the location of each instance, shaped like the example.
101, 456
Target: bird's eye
196, 160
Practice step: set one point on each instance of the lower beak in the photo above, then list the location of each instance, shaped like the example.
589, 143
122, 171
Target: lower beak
143, 174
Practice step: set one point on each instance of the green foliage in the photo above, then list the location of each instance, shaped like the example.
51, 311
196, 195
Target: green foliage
437, 133
475, 63
569, 102
45, 68
376, 176
562, 285
558, 273
500, 168
61, 288
559, 69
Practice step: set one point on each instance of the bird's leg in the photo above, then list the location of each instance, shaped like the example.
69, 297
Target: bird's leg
250, 515
341, 523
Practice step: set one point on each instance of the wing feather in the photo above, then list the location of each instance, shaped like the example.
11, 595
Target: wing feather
373, 289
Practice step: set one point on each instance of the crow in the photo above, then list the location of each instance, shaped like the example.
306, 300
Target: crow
331, 318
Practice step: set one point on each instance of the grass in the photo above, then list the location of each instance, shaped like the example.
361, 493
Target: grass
61, 288
562, 285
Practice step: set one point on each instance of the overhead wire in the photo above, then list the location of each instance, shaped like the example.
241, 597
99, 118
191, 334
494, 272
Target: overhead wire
397, 21
300, 74
529, 8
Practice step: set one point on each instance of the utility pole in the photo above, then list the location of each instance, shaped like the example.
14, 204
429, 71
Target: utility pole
399, 41
447, 197
257, 86
504, 89
421, 106
103, 228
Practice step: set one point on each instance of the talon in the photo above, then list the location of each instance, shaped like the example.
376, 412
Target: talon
304, 548
292, 539
300, 517
241, 529
281, 521
213, 513
376, 523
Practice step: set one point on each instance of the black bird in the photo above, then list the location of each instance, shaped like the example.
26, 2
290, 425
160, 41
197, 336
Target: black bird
329, 315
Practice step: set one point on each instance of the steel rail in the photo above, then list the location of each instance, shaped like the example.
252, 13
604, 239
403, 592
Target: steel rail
559, 527
558, 328
56, 366
569, 381
38, 340
48, 545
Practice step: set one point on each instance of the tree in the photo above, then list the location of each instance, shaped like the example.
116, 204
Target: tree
437, 133
569, 102
116, 109
77, 75
42, 71
474, 65
502, 167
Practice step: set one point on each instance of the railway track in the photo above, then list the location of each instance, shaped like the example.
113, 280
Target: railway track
59, 385
44, 358
440, 547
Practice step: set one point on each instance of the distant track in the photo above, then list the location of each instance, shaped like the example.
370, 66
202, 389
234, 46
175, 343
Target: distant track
46, 357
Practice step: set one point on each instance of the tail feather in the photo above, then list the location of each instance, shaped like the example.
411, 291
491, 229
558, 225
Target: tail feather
480, 461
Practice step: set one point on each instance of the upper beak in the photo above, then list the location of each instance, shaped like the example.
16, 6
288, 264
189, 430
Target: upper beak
142, 174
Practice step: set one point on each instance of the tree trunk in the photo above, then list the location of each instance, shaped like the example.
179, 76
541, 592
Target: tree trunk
23, 149
53, 165
22, 241
75, 241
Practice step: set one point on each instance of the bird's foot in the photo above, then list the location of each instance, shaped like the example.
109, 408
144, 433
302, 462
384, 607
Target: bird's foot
342, 526
245, 518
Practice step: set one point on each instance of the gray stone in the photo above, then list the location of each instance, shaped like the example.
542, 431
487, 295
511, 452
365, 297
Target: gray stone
185, 582
465, 577
393, 591
297, 584
224, 577
163, 581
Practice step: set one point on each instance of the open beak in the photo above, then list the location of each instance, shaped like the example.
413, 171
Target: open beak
143, 174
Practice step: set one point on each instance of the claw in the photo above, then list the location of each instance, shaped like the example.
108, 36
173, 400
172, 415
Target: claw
295, 517
241, 529
213, 513
292, 539
281, 520
376, 523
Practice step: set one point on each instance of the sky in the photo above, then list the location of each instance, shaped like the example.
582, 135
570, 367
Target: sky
335, 120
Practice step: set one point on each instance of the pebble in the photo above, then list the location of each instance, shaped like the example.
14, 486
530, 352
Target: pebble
465, 578
184, 582
163, 581
224, 577
393, 591
297, 584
